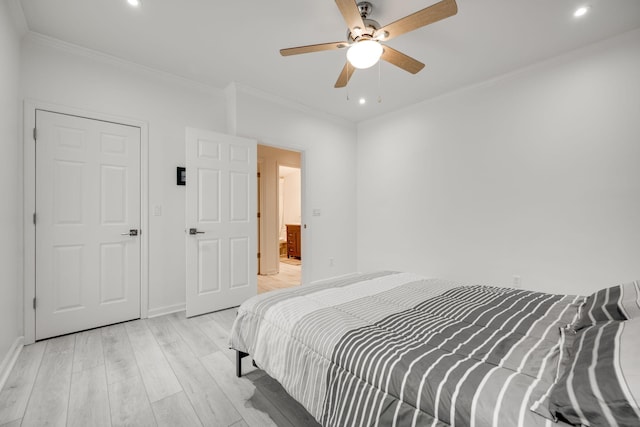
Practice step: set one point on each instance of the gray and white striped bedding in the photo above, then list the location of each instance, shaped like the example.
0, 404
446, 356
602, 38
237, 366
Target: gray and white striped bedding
599, 374
397, 349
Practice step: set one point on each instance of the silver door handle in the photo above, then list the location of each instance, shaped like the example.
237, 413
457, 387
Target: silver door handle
132, 232
194, 231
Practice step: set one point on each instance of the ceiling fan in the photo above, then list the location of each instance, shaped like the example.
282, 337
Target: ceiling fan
365, 36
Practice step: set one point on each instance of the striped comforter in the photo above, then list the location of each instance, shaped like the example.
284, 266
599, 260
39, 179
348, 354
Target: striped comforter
397, 349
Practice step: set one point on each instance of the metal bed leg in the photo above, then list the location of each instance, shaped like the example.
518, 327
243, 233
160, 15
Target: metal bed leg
239, 356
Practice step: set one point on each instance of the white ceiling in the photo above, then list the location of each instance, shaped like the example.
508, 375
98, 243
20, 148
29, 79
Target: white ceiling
216, 42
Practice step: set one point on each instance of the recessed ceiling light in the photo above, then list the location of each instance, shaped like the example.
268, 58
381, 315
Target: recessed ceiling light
362, 101
135, 3
581, 11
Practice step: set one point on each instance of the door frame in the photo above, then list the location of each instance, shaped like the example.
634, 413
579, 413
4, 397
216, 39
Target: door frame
29, 203
260, 208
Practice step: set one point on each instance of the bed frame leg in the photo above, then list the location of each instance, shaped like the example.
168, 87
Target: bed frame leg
239, 356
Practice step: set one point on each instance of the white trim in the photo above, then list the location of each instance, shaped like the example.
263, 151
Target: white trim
29, 191
51, 42
557, 59
161, 311
306, 248
260, 207
9, 360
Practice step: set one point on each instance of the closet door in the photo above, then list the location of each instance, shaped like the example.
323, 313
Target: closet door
88, 221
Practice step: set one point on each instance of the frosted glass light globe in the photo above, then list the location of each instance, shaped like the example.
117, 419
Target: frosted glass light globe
364, 54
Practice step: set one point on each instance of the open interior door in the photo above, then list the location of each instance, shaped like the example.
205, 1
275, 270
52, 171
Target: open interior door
221, 221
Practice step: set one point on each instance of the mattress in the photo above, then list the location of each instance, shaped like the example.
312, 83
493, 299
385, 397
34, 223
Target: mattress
392, 348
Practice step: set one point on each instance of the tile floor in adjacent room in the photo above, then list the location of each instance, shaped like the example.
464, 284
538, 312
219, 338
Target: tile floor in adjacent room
289, 275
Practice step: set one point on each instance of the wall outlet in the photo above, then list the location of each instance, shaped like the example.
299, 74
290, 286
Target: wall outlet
330, 262
157, 210
517, 281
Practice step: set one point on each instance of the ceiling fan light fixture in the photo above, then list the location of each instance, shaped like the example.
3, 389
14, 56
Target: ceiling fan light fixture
364, 54
581, 11
135, 3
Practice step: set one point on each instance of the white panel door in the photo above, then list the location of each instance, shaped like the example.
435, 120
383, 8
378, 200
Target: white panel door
221, 221
87, 201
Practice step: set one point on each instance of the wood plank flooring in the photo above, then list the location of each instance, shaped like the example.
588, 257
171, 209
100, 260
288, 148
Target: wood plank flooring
165, 371
289, 275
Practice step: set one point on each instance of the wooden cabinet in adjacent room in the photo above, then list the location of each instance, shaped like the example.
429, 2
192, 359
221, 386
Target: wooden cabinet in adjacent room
293, 241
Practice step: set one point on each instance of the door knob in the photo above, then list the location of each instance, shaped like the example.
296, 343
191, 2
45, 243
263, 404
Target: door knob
132, 232
194, 231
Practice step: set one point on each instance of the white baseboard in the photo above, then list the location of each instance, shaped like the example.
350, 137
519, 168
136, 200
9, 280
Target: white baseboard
161, 311
10, 360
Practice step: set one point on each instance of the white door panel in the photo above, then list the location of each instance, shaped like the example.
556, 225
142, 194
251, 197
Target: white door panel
221, 206
87, 197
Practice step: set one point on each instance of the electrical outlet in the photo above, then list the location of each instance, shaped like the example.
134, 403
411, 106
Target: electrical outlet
517, 281
330, 262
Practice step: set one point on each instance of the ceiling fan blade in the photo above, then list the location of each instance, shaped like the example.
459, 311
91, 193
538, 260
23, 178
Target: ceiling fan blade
429, 15
313, 48
345, 75
401, 60
351, 14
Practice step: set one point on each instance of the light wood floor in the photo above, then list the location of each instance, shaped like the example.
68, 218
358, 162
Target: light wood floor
165, 371
289, 275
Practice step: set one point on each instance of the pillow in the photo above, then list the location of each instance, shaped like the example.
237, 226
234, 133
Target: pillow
601, 383
616, 303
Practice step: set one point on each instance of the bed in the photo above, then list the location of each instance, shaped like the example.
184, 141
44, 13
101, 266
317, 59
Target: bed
391, 348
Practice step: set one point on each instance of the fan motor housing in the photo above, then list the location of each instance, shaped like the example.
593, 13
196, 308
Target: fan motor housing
370, 27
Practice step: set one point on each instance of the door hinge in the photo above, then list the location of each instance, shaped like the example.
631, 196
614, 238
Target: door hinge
34, 218
258, 254
258, 214
258, 174
34, 304
35, 134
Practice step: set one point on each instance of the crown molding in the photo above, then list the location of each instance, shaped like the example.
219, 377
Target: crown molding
230, 91
17, 15
105, 58
558, 59
285, 102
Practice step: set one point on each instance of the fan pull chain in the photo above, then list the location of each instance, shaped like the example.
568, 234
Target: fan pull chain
379, 82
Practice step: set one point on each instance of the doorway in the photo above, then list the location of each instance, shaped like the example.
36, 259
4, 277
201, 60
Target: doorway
280, 220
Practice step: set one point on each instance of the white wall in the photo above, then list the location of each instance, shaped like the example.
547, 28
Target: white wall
536, 174
81, 79
10, 172
328, 175
53, 72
